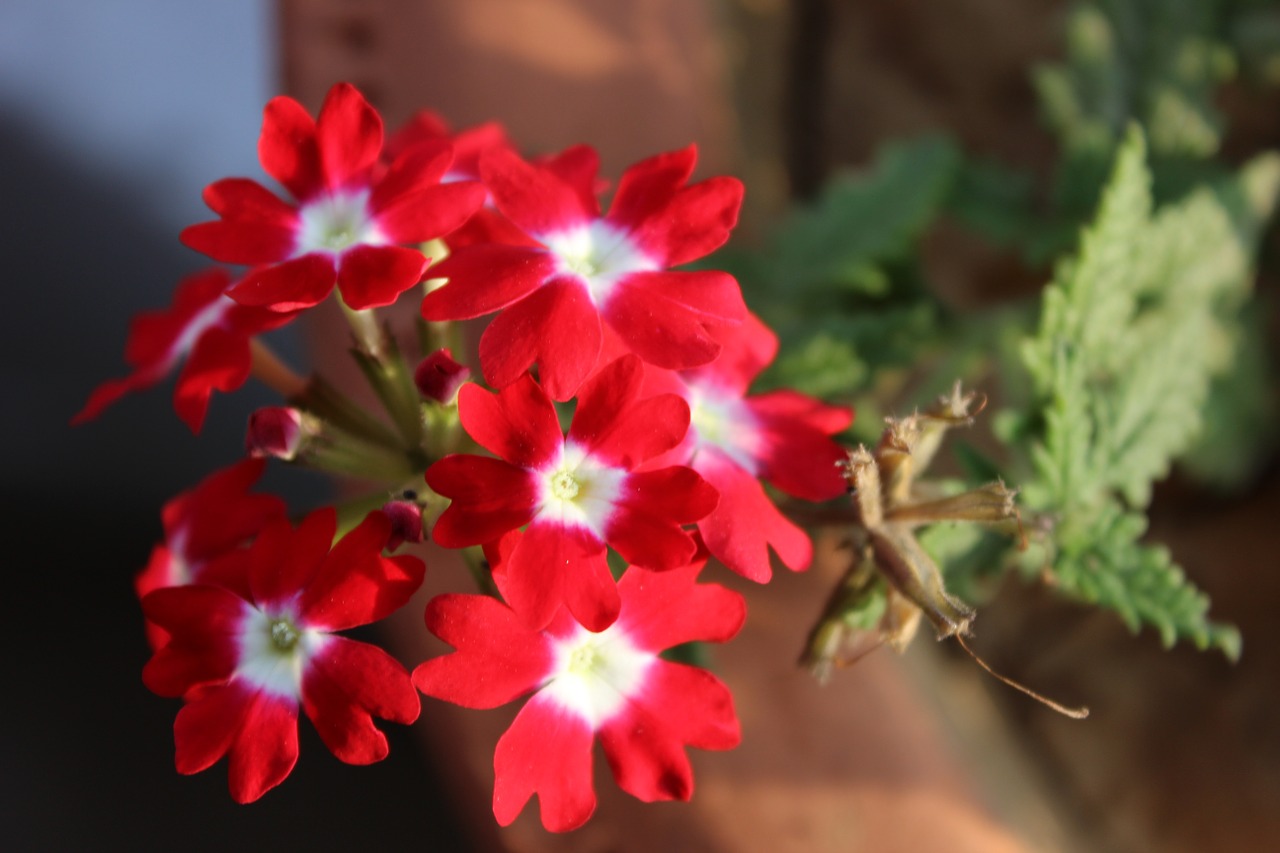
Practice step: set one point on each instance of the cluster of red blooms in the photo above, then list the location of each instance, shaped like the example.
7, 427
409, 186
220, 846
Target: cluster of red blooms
662, 461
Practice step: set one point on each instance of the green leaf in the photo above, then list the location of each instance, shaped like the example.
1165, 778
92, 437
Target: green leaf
1133, 330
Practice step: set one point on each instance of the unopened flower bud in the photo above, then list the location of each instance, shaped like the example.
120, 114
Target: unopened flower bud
406, 522
439, 377
274, 431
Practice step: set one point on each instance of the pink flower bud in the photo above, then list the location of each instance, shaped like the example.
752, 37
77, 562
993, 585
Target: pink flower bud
439, 377
274, 431
406, 522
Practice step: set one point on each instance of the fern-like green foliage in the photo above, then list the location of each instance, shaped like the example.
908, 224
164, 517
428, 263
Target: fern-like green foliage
1133, 330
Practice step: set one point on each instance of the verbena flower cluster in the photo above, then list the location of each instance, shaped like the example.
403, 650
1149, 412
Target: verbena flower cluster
592, 325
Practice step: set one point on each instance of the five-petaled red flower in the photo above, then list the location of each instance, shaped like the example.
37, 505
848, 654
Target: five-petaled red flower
205, 327
576, 493
580, 268
245, 664
352, 212
611, 684
734, 441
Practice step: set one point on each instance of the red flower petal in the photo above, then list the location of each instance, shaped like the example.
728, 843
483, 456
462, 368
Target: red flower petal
645, 529
679, 706
740, 531
686, 302
370, 677
620, 431
578, 166
242, 198
432, 212
265, 749
647, 187
414, 168
203, 622
219, 360
345, 683
355, 584
664, 609
695, 223
207, 726
483, 279
374, 276
292, 285
547, 751
557, 327
746, 349
534, 198
348, 135
518, 423
287, 147
346, 728
798, 456
282, 561
490, 497
483, 630
554, 565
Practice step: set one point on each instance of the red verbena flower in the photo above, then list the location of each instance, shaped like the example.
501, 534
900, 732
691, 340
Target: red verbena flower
735, 440
351, 212
204, 531
245, 663
611, 684
205, 327
576, 493
579, 268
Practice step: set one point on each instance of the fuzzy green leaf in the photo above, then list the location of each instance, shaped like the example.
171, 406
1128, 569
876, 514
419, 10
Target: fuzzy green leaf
1133, 330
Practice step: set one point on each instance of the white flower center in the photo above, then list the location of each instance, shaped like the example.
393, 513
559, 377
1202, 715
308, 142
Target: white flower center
595, 674
578, 491
335, 222
600, 255
724, 421
275, 649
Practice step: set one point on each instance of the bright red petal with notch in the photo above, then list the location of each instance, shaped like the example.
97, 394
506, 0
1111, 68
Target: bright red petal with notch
798, 455
695, 223
483, 630
648, 187
344, 685
554, 565
518, 423
355, 584
645, 528
664, 609
207, 726
740, 531
679, 706
490, 497
348, 136
282, 560
556, 327
621, 432
534, 198
687, 303
287, 147
547, 751
265, 749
